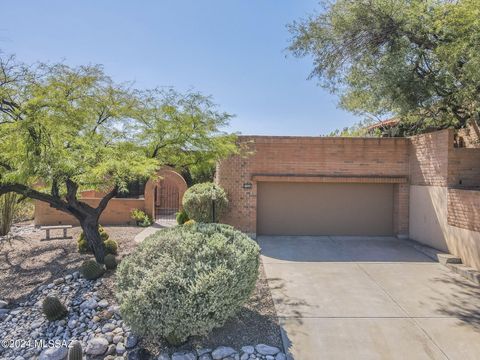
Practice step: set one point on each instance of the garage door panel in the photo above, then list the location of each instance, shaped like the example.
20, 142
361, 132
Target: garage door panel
324, 209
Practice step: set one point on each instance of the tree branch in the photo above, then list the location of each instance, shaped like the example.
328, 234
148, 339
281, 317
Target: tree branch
105, 200
34, 194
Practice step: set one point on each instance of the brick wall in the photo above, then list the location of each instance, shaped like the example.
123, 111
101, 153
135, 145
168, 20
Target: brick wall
363, 158
429, 158
464, 209
464, 167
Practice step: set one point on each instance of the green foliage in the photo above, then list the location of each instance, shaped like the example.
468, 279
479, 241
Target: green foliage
417, 60
24, 211
199, 201
75, 351
111, 247
182, 217
141, 218
187, 280
83, 247
189, 222
8, 204
91, 270
82, 243
53, 308
110, 262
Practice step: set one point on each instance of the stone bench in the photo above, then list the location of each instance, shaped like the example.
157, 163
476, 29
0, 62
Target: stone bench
56, 227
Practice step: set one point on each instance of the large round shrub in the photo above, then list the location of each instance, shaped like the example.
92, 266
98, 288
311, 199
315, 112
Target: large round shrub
187, 280
199, 199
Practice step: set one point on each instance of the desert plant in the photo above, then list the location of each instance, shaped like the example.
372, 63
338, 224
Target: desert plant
110, 262
182, 217
91, 270
189, 222
83, 247
103, 234
111, 247
186, 280
8, 204
75, 351
205, 202
53, 308
141, 218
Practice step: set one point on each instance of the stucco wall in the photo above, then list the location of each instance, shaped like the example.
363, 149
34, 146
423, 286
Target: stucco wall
429, 225
116, 213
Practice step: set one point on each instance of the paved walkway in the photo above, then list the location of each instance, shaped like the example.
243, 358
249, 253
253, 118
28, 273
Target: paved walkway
158, 225
369, 298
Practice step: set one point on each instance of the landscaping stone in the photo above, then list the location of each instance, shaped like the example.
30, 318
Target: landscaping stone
54, 353
222, 352
3, 304
184, 356
98, 327
97, 346
266, 349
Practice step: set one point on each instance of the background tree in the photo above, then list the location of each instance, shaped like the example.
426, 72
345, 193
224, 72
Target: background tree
418, 60
67, 129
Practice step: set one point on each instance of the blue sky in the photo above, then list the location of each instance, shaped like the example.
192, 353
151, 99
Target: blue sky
233, 50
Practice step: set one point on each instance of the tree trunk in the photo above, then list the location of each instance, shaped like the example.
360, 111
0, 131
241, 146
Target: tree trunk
92, 235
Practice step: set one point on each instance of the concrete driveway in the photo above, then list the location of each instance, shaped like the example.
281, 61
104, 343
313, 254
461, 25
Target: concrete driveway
369, 298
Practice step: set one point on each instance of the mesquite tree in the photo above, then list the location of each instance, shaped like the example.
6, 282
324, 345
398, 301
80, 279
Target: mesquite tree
66, 129
416, 60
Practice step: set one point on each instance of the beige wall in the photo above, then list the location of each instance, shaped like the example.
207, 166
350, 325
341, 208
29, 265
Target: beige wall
116, 213
429, 225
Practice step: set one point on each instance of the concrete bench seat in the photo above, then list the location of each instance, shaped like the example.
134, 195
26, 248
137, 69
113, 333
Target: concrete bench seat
56, 227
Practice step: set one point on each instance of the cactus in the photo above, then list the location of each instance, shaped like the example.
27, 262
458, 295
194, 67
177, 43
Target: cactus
110, 262
75, 352
53, 308
111, 247
91, 270
83, 247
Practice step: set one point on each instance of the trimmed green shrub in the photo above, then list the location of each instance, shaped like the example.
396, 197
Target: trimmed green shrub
182, 217
91, 270
198, 201
186, 280
111, 247
53, 308
110, 262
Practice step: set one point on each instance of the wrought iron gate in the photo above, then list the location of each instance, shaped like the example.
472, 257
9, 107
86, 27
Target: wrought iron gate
167, 201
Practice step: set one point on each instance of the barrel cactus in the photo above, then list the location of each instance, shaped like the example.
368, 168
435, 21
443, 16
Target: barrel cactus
91, 270
111, 247
110, 261
53, 308
75, 351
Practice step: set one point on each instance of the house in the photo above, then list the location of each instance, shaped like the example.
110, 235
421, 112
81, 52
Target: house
424, 187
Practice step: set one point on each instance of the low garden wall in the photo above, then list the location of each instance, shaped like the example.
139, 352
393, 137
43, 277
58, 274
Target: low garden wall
116, 213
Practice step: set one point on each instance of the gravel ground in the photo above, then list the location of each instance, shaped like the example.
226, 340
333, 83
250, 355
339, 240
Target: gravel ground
26, 262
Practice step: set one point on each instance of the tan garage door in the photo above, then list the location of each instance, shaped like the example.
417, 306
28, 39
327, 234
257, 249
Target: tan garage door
324, 209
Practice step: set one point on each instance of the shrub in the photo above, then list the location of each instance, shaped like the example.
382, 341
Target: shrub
187, 280
91, 270
53, 308
141, 218
190, 222
110, 261
111, 247
182, 217
199, 199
